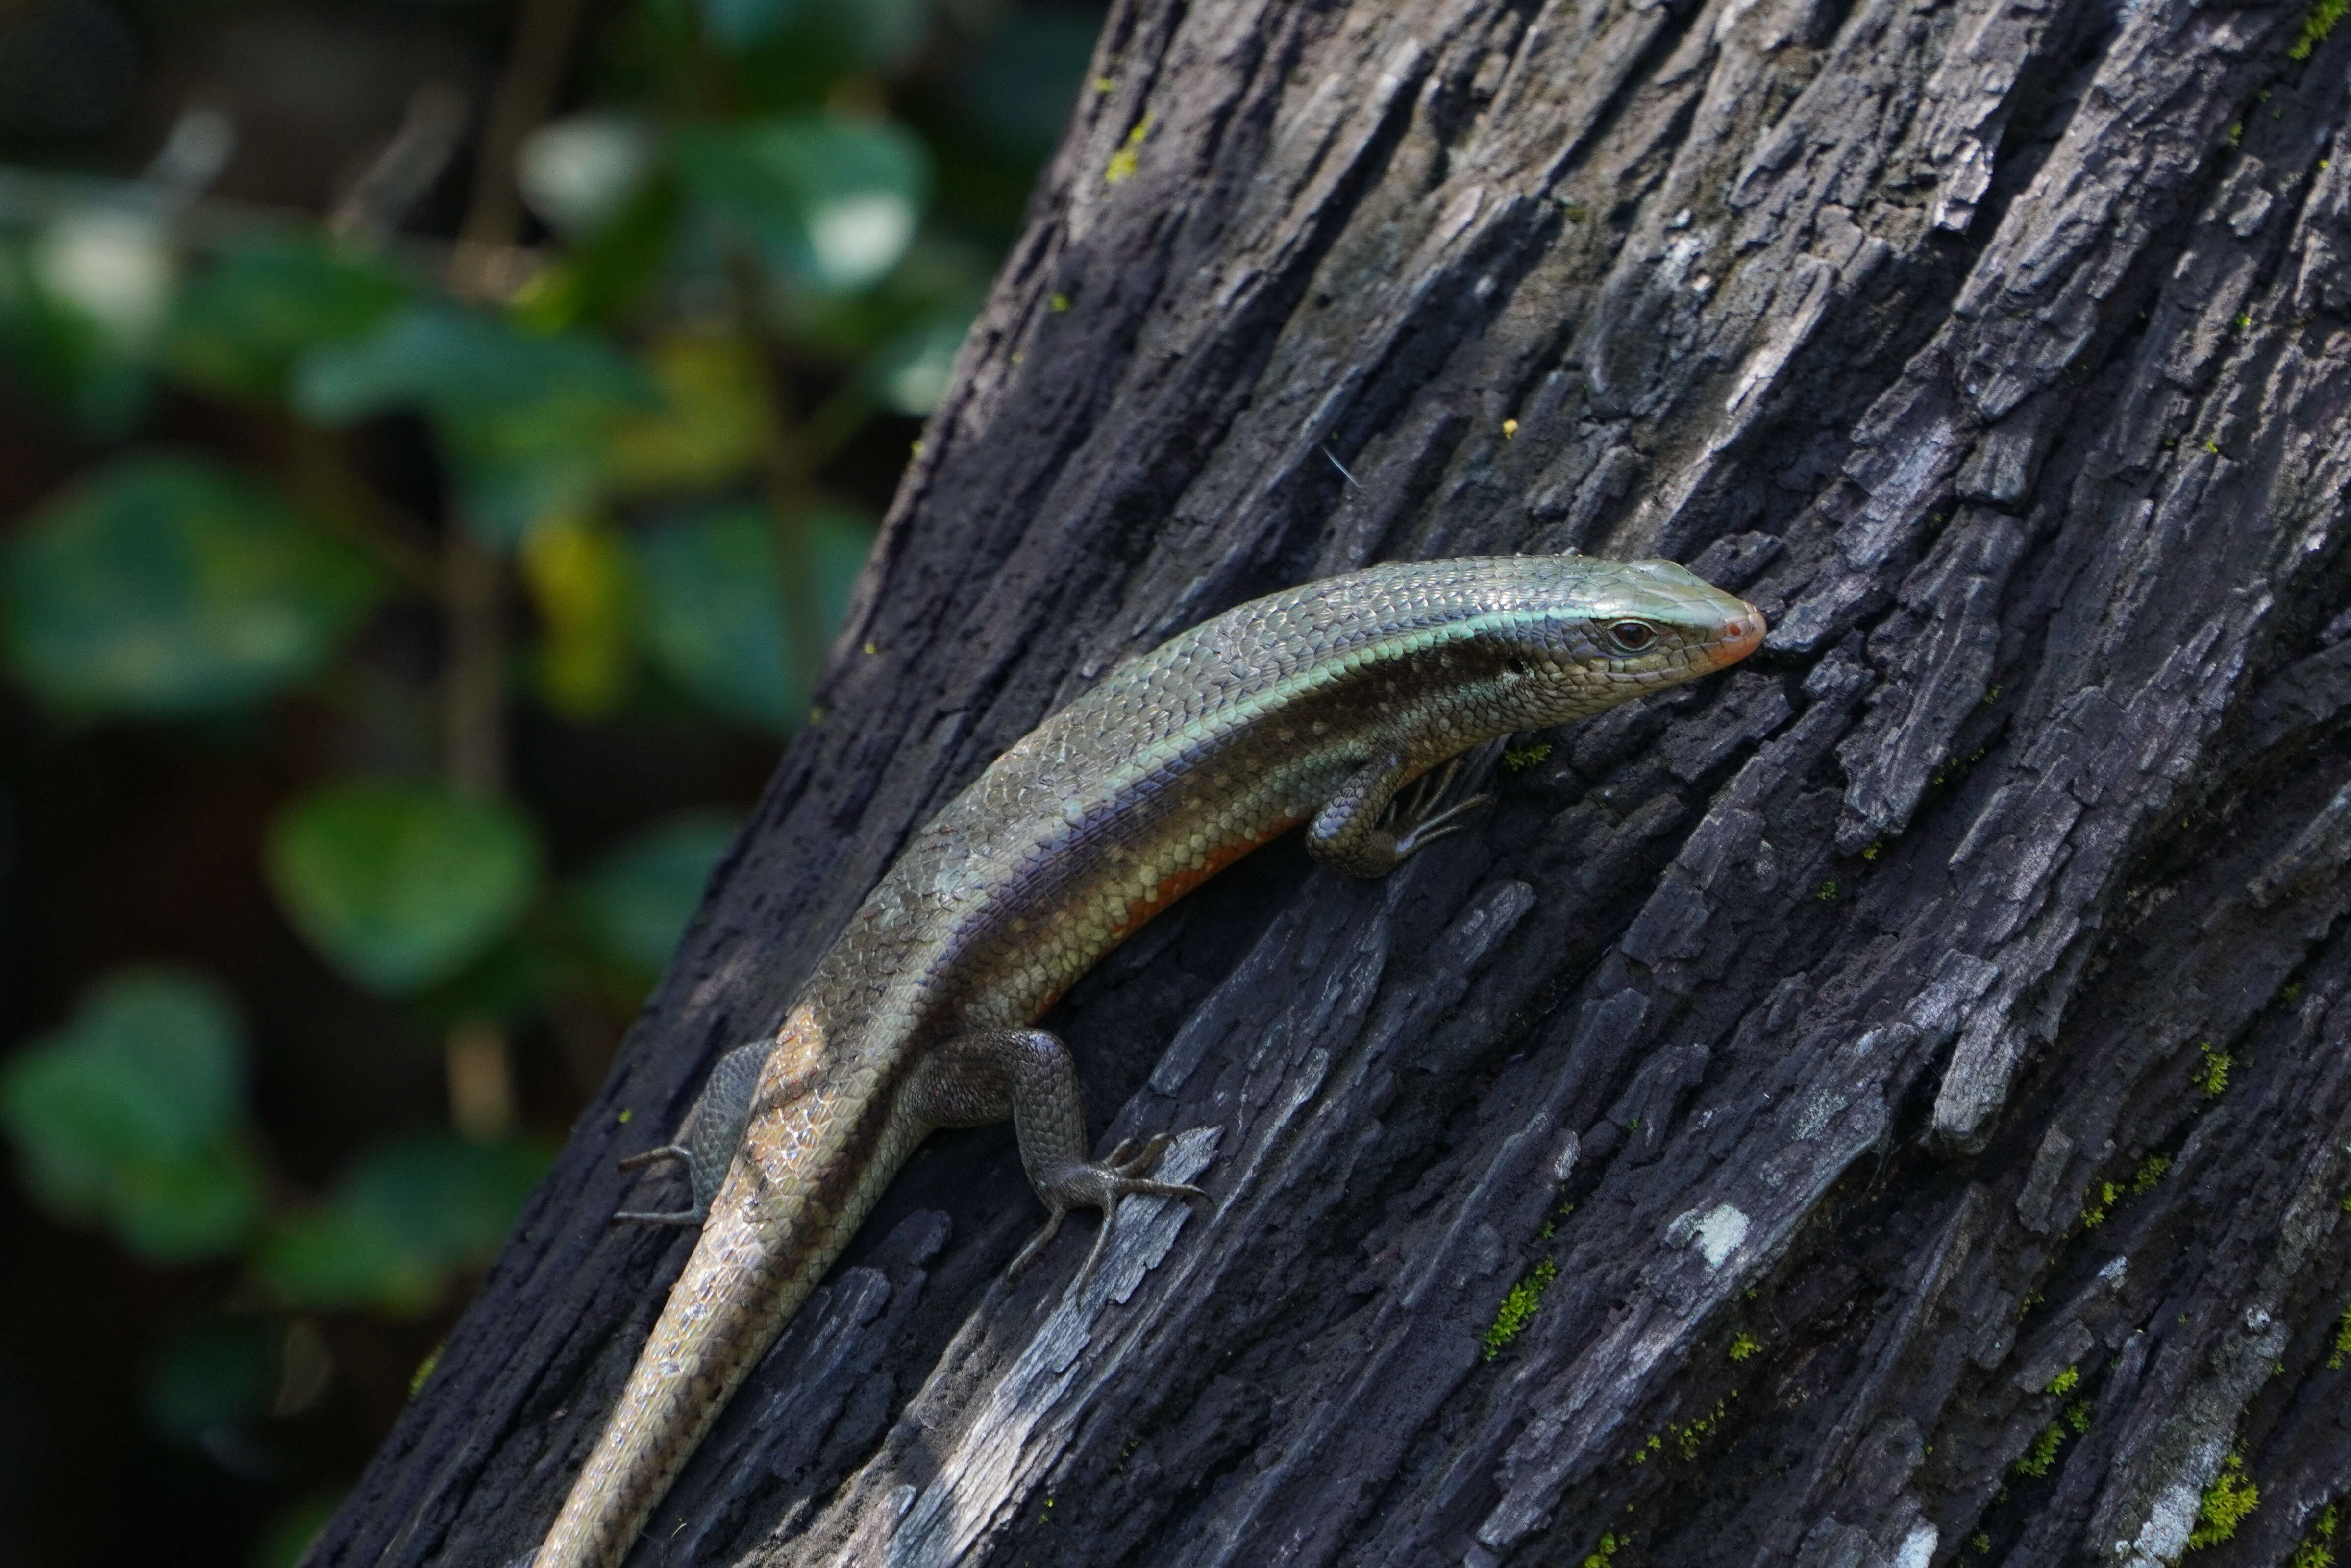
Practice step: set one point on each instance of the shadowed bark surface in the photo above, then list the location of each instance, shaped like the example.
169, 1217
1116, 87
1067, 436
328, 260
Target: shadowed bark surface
1911, 1070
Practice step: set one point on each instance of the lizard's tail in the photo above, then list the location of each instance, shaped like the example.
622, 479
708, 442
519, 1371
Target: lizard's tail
727, 1307
774, 1228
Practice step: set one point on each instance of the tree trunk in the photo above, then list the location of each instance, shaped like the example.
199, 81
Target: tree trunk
1898, 1092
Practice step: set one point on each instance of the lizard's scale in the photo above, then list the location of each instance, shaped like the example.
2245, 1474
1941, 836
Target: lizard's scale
1318, 703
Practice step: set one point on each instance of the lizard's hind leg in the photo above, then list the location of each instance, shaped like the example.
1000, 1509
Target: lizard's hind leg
708, 1138
1028, 1075
694, 1215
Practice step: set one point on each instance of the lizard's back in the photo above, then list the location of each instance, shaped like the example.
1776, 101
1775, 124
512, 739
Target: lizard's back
1177, 763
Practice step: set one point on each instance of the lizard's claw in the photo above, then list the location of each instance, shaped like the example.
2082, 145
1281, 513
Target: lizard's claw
1103, 1186
1418, 822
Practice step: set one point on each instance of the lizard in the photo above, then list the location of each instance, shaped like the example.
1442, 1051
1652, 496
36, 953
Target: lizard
1344, 704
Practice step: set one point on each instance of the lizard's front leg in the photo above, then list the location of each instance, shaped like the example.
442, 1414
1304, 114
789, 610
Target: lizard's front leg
1028, 1075
1357, 833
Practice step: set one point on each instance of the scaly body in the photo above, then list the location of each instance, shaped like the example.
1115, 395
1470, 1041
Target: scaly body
1315, 706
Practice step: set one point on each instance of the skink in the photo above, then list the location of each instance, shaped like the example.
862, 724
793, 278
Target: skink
1318, 705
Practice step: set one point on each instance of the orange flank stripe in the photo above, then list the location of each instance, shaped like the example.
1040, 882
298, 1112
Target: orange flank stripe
1170, 889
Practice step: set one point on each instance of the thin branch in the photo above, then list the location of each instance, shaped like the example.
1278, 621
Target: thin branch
542, 43
474, 578
410, 163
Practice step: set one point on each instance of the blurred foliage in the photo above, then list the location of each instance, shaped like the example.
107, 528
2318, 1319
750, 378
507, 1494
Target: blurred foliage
635, 901
710, 621
399, 1223
134, 1114
163, 585
326, 478
400, 885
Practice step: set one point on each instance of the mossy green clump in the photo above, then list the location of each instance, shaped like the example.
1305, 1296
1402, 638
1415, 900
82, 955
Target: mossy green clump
2213, 1076
1605, 1552
1519, 758
1129, 157
1745, 1345
1519, 1307
2342, 1348
1827, 893
2316, 25
2227, 1503
2103, 1196
2064, 1382
2317, 1547
1690, 1435
2077, 1416
2036, 1460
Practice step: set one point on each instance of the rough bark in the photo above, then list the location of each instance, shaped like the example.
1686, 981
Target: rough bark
1823, 1030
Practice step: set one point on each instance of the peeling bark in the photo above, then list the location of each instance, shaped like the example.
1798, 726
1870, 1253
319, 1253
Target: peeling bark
1928, 1037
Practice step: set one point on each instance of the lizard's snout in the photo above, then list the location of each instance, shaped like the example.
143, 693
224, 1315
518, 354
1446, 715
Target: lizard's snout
1742, 635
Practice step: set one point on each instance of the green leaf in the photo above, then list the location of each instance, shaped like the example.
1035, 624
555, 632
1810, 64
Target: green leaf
579, 575
240, 326
709, 432
402, 1221
601, 279
524, 418
875, 32
167, 586
329, 1260
713, 605
637, 900
401, 886
460, 363
833, 202
216, 1372
199, 1206
63, 355
133, 1116
912, 372
442, 1199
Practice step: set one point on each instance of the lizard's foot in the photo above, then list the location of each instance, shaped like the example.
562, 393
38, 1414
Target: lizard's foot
1415, 819
694, 1215
1102, 1186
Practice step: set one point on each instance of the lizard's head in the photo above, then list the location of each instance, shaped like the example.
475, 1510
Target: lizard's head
1607, 631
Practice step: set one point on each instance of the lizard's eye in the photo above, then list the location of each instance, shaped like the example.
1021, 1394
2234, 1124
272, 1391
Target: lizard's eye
1516, 666
1632, 636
